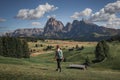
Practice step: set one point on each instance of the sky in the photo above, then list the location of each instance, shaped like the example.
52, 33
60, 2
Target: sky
17, 14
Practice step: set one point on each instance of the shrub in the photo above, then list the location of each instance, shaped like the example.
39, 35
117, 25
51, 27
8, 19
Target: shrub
87, 61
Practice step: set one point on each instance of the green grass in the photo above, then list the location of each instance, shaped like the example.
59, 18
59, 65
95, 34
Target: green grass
35, 72
79, 56
36, 69
42, 67
114, 61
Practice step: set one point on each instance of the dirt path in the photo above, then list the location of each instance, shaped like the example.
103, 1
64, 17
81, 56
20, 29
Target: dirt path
42, 52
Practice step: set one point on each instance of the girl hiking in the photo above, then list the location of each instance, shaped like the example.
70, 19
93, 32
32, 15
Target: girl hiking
58, 57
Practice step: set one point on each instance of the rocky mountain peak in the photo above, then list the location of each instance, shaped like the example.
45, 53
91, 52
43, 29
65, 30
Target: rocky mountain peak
51, 19
52, 28
75, 22
68, 27
53, 25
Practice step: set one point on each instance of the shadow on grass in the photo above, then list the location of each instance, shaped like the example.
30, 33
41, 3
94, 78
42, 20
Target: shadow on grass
74, 68
39, 68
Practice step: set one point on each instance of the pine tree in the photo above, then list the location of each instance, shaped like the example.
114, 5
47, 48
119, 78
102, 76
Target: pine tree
102, 51
99, 52
1, 45
5, 50
106, 49
13, 47
25, 49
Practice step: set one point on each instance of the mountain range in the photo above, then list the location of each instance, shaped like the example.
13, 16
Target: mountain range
77, 30
28, 32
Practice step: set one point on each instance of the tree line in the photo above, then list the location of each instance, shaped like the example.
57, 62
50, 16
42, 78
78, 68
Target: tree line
14, 47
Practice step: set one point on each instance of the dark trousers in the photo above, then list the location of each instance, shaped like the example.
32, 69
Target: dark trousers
58, 64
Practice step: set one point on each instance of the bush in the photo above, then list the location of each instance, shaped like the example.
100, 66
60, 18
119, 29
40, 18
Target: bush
102, 51
87, 61
49, 47
41, 45
1, 50
77, 47
36, 45
14, 47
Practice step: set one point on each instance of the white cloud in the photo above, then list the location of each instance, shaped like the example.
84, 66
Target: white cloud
35, 13
36, 23
85, 13
102, 16
112, 7
49, 16
108, 14
2, 20
75, 15
113, 23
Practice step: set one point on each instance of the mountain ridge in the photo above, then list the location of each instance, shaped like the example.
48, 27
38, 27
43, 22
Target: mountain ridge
77, 30
27, 32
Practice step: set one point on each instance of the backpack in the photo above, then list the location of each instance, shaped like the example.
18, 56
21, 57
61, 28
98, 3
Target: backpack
60, 54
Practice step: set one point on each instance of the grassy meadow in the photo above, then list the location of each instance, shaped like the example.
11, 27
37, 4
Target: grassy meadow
41, 65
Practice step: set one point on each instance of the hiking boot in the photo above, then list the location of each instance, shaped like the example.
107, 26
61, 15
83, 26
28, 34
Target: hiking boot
56, 69
60, 70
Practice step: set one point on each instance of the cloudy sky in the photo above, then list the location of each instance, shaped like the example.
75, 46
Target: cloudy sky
16, 14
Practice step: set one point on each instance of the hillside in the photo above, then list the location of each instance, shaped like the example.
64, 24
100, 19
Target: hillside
42, 67
114, 61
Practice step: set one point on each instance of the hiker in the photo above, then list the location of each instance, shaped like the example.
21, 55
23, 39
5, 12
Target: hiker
58, 57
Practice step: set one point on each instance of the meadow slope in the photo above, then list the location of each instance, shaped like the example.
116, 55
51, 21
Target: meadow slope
42, 67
